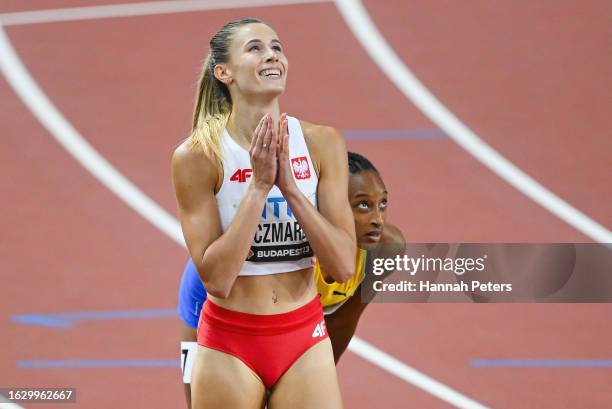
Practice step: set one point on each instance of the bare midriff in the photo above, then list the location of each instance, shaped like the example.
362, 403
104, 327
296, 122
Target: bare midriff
270, 294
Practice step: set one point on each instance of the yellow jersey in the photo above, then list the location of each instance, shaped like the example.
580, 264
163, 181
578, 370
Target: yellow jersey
334, 294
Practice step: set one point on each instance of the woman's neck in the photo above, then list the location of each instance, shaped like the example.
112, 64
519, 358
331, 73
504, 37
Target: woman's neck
246, 115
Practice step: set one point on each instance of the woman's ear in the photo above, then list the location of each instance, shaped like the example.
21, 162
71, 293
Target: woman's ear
223, 74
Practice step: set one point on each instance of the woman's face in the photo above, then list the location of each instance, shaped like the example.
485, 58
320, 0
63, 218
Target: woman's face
257, 63
368, 199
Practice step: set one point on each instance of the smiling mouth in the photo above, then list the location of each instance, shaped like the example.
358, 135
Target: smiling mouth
271, 74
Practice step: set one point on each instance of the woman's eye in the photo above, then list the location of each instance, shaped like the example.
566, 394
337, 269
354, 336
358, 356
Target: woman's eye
277, 48
383, 204
255, 47
362, 205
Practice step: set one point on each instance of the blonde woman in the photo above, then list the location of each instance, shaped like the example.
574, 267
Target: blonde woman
258, 194
343, 303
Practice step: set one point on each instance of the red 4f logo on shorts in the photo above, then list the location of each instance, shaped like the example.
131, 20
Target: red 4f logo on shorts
300, 167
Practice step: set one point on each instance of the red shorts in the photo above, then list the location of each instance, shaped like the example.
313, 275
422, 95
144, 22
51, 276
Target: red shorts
268, 344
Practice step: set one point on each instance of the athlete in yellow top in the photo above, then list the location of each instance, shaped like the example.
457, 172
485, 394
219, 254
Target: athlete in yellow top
334, 294
342, 302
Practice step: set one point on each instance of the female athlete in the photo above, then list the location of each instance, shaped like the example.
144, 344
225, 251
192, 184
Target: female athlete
342, 301
261, 337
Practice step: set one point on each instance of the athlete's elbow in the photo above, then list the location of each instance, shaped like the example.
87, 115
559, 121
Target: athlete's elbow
220, 294
341, 277
216, 284
217, 289
343, 272
345, 275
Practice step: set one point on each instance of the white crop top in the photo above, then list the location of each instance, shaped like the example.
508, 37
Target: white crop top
280, 244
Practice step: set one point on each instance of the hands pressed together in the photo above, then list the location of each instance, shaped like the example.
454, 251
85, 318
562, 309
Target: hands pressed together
269, 154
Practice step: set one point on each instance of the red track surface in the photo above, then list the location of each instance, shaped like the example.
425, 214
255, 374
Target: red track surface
531, 80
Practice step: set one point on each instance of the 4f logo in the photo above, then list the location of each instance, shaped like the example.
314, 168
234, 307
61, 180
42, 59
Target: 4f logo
300, 167
319, 330
241, 175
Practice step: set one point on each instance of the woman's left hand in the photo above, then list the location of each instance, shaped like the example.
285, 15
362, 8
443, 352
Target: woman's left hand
284, 177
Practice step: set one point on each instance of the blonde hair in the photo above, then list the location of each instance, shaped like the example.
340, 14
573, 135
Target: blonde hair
213, 103
210, 113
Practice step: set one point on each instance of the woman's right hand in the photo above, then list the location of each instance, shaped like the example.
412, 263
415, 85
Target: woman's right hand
263, 154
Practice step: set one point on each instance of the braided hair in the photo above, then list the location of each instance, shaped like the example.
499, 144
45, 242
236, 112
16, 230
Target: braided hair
358, 163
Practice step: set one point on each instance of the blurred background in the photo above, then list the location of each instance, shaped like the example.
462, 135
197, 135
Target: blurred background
489, 122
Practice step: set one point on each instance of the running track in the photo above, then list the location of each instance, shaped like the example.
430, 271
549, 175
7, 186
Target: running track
530, 79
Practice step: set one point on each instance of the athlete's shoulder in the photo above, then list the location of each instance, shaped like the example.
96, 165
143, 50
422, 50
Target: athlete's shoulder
325, 143
186, 154
321, 133
192, 170
190, 159
392, 235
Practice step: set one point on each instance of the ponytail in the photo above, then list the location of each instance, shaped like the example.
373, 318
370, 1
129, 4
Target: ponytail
210, 114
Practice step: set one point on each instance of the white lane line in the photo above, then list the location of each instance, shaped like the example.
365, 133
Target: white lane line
135, 9
66, 135
4, 404
358, 20
381, 359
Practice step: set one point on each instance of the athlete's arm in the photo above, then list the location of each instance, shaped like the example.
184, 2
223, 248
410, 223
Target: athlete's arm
217, 255
341, 325
331, 228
